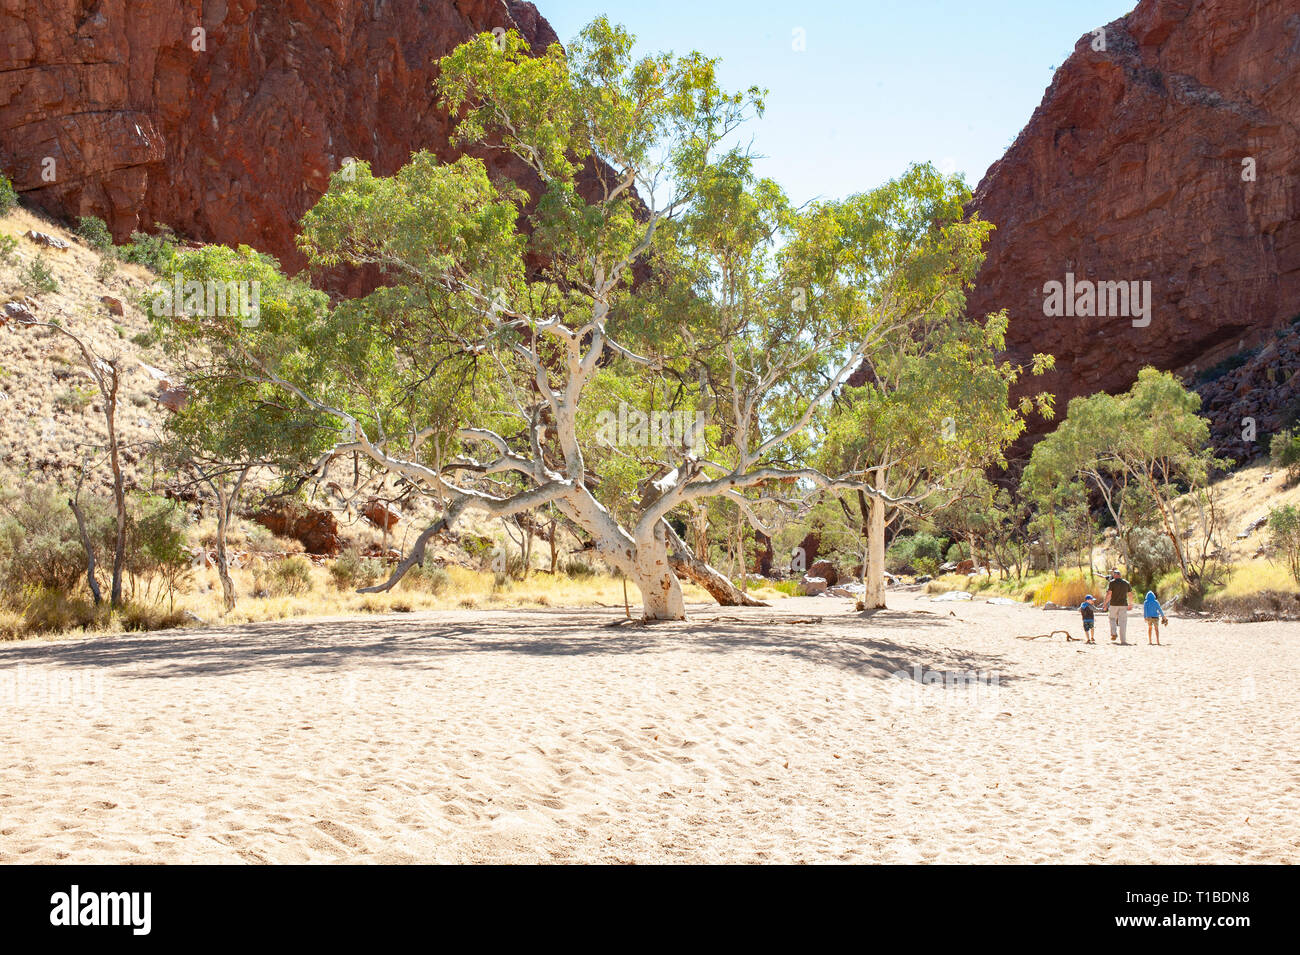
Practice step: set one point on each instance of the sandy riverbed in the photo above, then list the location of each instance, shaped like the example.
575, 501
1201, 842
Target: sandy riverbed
741, 736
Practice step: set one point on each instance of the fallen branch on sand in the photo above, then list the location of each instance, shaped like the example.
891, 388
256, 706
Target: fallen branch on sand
1040, 636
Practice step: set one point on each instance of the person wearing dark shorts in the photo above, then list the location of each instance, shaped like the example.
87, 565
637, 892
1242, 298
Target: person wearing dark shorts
1087, 609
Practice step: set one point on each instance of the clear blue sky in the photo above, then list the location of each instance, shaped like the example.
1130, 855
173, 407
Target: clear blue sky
881, 84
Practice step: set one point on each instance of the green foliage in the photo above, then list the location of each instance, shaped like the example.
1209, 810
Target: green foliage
1284, 452
290, 577
909, 554
351, 571
40, 546
577, 569
1139, 451
8, 195
1231, 363
428, 577
8, 244
1284, 534
157, 548
95, 231
145, 617
38, 277
1150, 556
76, 397
156, 252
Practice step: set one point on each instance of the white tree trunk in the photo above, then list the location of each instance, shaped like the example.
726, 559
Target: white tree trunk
873, 598
661, 592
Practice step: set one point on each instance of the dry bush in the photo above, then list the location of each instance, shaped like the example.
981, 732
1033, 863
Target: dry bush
1067, 591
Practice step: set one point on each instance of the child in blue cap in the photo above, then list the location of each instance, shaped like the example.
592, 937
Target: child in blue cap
1154, 614
1086, 609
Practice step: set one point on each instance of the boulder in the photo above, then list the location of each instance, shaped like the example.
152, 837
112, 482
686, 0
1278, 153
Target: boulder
45, 239
812, 586
381, 515
826, 570
17, 311
173, 399
964, 567
316, 530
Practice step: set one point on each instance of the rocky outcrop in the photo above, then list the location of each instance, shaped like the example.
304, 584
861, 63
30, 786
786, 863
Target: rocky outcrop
1137, 167
316, 530
1253, 395
225, 125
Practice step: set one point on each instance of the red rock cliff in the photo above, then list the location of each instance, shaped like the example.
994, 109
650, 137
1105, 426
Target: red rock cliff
232, 142
1131, 169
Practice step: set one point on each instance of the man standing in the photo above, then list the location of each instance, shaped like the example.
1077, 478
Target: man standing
1119, 602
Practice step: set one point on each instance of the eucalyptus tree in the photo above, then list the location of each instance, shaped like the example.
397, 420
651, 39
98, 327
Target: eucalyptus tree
228, 426
653, 327
932, 399
1146, 449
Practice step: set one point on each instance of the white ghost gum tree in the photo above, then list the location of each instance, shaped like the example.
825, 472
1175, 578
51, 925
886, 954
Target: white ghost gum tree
933, 402
508, 359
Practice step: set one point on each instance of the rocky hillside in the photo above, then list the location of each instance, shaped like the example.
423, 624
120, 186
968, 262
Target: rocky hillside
1171, 155
1166, 150
226, 125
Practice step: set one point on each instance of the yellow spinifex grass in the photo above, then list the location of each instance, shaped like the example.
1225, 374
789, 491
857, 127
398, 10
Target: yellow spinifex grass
468, 589
1255, 576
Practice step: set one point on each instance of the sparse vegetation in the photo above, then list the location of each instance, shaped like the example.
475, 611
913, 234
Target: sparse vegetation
38, 278
95, 231
1284, 531
156, 252
8, 195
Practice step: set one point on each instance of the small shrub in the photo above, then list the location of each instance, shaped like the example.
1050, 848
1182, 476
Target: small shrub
40, 546
144, 339
577, 569
143, 618
289, 577
351, 571
1151, 555
50, 610
155, 252
1284, 452
1065, 591
957, 552
904, 552
12, 625
427, 577
75, 397
156, 545
1231, 363
926, 566
8, 244
8, 194
38, 277
107, 267
95, 231
1284, 535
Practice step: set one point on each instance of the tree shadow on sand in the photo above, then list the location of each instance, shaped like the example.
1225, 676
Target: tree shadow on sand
874, 644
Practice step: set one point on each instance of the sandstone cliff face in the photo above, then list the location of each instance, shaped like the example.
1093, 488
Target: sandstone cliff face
1131, 170
234, 141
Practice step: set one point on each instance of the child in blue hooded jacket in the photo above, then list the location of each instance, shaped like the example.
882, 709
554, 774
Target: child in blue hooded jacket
1154, 614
